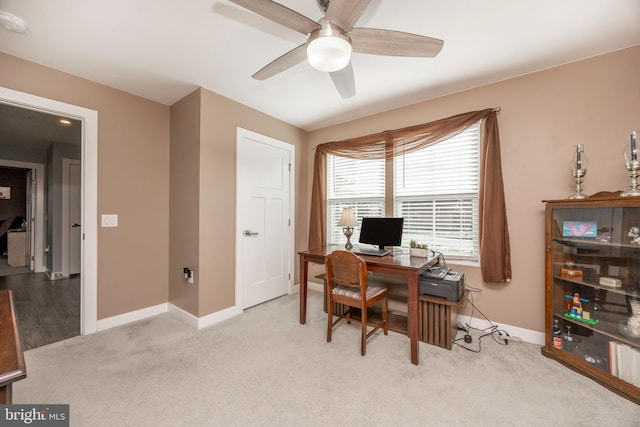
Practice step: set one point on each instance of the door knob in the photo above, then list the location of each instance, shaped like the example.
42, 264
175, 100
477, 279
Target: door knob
75, 224
250, 233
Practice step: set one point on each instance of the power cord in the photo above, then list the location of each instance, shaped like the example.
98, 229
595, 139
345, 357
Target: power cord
501, 336
440, 255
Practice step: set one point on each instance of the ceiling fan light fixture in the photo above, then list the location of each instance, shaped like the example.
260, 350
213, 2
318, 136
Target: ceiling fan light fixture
329, 48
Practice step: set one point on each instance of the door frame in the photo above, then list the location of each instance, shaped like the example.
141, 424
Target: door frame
89, 246
244, 133
32, 193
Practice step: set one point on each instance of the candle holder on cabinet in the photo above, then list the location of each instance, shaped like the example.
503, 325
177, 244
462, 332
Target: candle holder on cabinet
632, 164
579, 163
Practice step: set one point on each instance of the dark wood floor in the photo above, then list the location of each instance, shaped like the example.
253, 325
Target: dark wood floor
47, 311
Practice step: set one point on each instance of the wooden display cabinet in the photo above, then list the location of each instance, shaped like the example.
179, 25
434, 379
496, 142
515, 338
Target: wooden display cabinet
592, 281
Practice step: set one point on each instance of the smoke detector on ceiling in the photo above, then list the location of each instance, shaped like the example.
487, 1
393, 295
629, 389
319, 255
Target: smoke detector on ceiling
12, 22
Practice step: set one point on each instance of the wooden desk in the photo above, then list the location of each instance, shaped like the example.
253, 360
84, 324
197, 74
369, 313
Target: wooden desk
399, 265
12, 366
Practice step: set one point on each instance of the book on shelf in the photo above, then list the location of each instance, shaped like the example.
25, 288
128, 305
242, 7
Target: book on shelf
613, 362
624, 362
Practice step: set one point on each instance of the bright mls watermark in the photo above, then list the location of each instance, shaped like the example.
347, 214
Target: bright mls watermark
34, 415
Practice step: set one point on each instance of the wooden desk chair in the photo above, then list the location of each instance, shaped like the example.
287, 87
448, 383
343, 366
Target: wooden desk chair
346, 284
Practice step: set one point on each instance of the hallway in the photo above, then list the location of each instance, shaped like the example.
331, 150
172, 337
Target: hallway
47, 311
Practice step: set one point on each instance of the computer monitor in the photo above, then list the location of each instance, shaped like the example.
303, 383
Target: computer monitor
381, 231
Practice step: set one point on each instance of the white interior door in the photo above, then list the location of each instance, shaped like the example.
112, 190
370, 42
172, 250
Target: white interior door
263, 243
71, 217
75, 224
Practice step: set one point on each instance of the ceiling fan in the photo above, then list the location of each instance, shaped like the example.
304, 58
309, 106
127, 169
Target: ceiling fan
333, 38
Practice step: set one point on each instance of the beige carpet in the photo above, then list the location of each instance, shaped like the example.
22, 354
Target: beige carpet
265, 369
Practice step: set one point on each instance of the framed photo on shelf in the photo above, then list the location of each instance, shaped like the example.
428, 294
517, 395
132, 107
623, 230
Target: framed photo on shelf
5, 193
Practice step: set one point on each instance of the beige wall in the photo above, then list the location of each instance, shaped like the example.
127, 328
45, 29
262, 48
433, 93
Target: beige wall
220, 117
137, 268
133, 182
184, 230
595, 102
203, 172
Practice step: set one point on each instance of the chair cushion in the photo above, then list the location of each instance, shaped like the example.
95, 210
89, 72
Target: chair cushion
372, 291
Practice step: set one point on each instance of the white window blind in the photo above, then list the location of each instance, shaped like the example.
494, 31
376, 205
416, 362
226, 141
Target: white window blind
436, 192
358, 184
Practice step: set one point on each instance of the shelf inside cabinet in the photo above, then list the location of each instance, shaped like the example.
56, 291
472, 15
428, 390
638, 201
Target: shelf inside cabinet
608, 324
596, 243
623, 290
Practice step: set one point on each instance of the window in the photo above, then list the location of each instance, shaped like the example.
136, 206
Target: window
436, 192
353, 183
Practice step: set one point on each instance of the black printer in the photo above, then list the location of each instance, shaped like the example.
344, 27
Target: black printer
441, 281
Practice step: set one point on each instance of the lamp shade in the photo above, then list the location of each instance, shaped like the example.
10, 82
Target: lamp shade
328, 47
329, 53
348, 218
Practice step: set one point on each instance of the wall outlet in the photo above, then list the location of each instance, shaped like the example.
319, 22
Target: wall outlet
188, 274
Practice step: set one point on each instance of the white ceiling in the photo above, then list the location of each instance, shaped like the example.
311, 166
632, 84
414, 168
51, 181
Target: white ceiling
164, 49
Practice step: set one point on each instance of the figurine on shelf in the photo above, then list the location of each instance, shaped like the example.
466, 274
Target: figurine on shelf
633, 324
575, 307
634, 235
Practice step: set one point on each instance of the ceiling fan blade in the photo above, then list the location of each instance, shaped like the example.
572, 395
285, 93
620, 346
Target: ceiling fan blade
393, 43
345, 13
344, 81
280, 14
286, 61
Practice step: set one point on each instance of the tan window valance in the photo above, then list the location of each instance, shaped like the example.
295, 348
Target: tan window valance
495, 253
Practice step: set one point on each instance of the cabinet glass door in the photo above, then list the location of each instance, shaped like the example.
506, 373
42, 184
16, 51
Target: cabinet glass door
596, 287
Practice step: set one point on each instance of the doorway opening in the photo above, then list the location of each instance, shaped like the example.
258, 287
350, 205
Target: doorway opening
88, 195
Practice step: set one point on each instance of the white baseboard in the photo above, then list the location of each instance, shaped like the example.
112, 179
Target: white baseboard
132, 316
196, 322
218, 316
184, 315
208, 320
527, 335
312, 286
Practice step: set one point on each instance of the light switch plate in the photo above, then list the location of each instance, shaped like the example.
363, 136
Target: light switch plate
110, 220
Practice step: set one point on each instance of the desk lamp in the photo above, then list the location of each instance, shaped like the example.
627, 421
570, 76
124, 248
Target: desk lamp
347, 221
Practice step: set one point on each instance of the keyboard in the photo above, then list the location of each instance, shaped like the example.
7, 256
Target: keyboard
438, 271
372, 252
